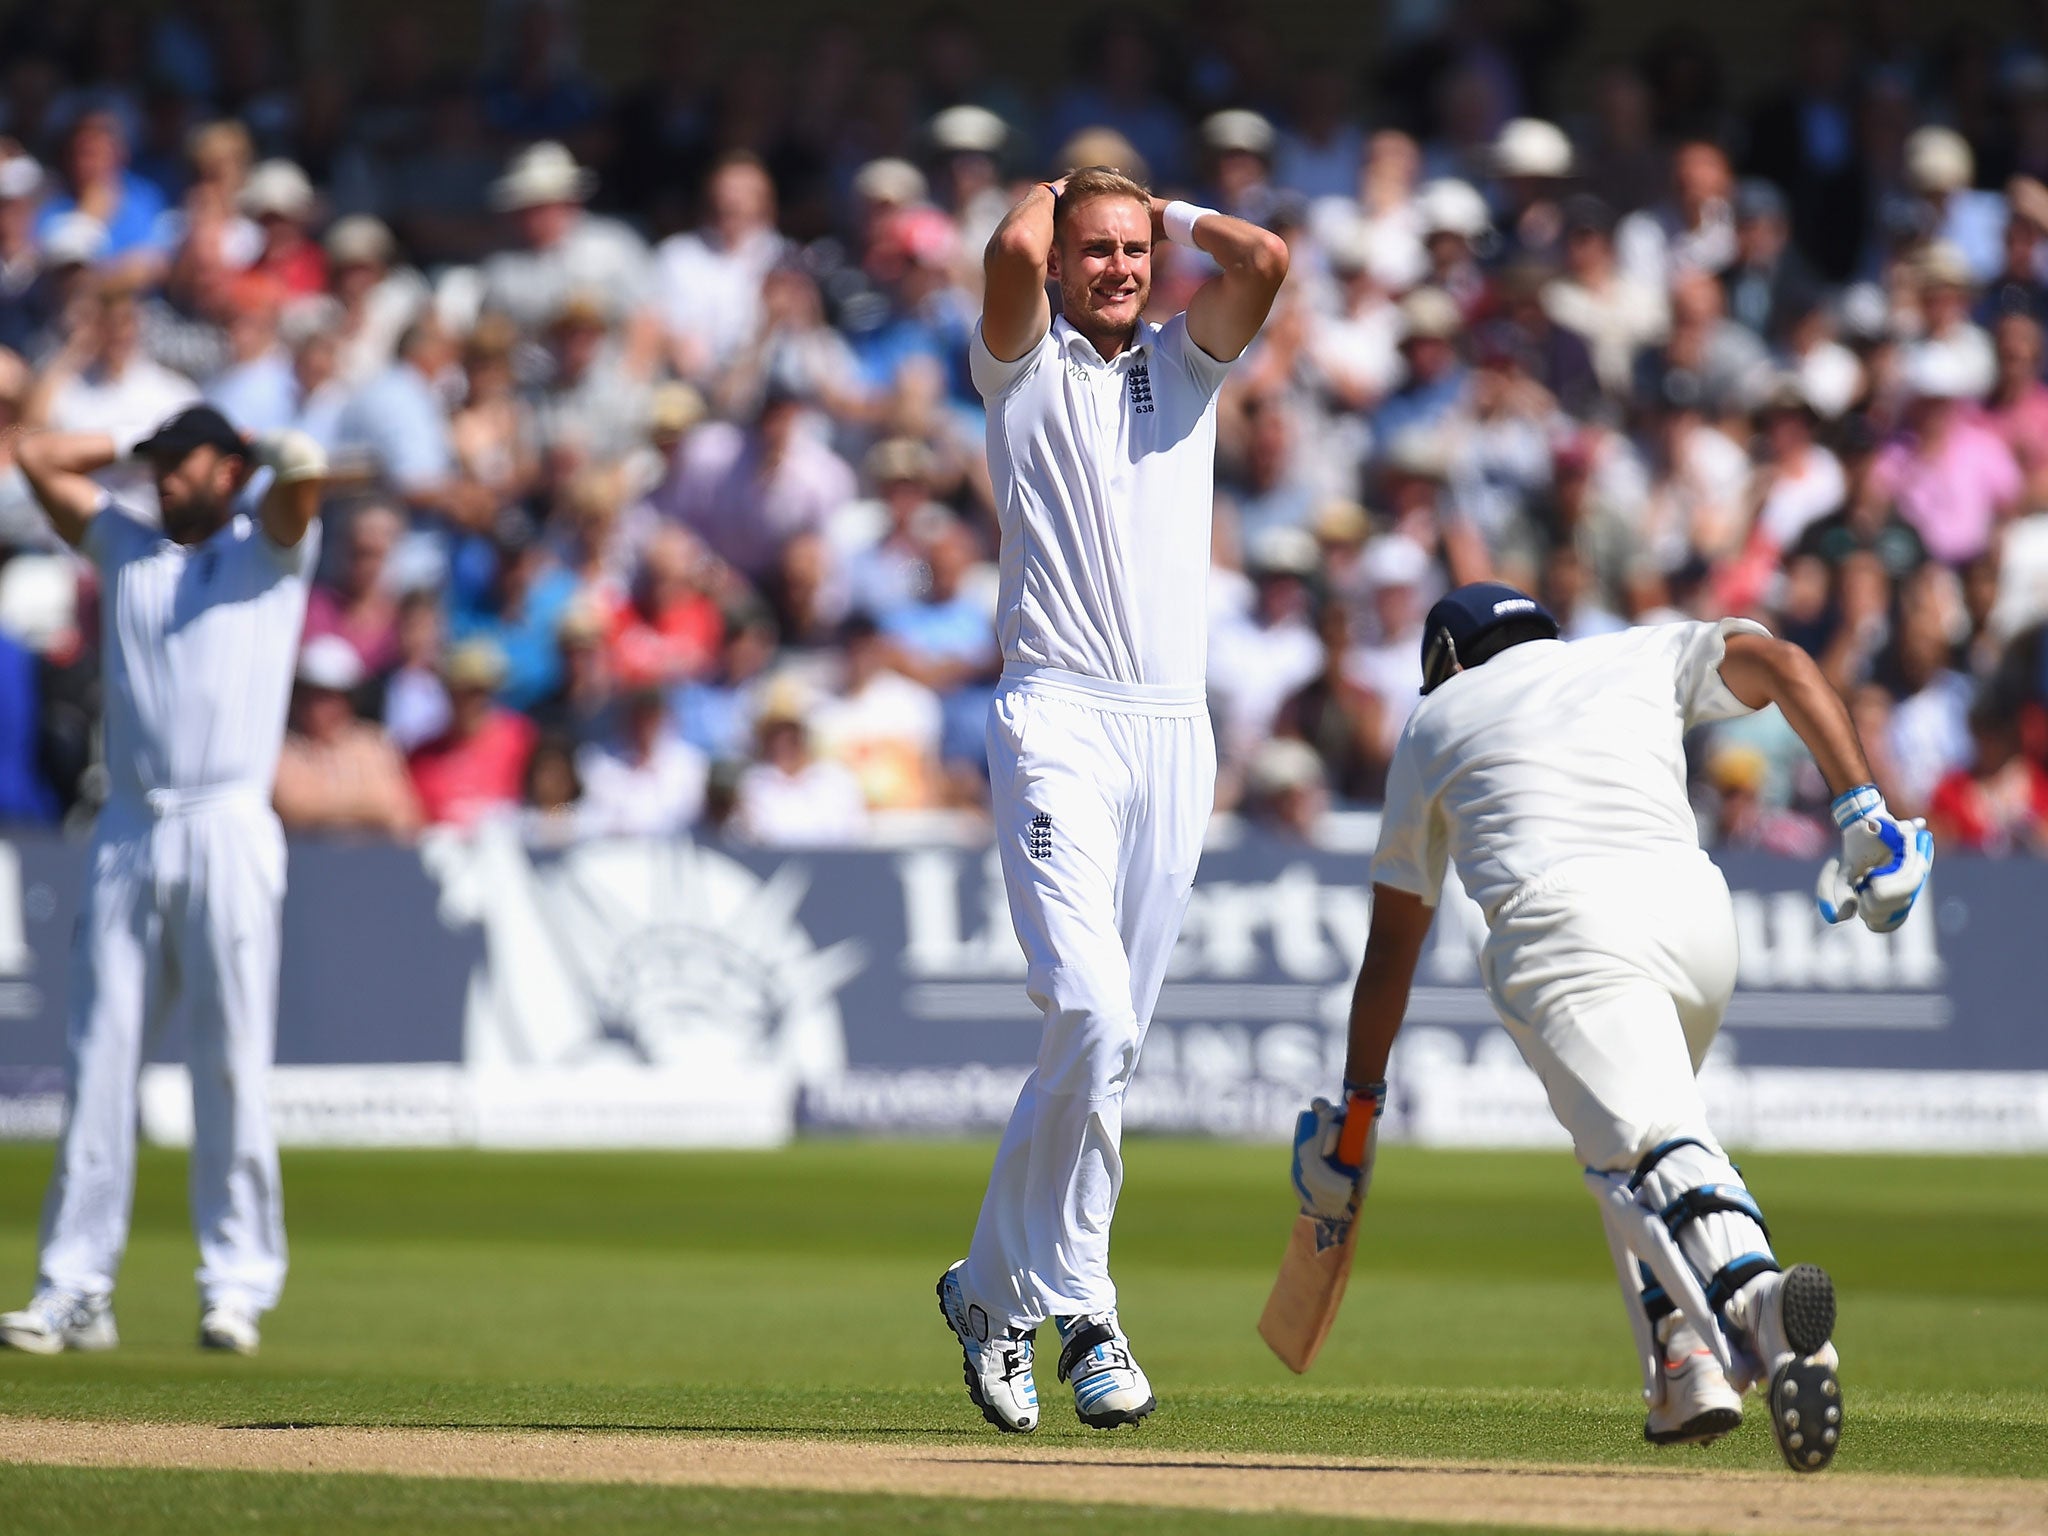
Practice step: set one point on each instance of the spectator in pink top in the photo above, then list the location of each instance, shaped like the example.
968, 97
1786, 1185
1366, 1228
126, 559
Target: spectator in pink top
1951, 474
2018, 407
361, 607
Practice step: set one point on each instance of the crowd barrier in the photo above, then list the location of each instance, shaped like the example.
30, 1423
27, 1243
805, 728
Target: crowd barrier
672, 993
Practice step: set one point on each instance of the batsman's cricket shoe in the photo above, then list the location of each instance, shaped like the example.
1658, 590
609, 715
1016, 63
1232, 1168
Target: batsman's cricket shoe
229, 1328
1109, 1389
1698, 1406
997, 1362
55, 1321
1788, 1319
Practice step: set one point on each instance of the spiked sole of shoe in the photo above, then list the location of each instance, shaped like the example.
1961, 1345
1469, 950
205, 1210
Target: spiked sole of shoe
1701, 1429
1116, 1418
973, 1382
1806, 1395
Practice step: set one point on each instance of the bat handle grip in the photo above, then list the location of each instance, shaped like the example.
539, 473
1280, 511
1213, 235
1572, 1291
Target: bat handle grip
1359, 1112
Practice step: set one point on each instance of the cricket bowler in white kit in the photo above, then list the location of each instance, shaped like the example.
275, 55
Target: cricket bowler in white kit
199, 625
1102, 765
1553, 776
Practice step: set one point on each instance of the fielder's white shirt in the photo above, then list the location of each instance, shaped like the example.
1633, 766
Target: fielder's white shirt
1105, 482
199, 645
1552, 752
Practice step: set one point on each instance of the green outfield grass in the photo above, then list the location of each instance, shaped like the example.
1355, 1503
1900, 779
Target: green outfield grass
791, 1293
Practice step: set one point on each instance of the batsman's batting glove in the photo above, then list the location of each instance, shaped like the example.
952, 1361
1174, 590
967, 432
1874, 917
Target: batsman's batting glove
293, 454
1330, 1189
1883, 867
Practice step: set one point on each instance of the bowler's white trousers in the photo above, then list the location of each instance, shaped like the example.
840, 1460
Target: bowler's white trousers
183, 903
1612, 975
1102, 793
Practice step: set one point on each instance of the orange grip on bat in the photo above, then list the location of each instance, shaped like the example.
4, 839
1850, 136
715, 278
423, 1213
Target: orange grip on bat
1358, 1116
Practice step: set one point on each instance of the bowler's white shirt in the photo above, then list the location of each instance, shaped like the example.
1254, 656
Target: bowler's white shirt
199, 645
1105, 480
1553, 752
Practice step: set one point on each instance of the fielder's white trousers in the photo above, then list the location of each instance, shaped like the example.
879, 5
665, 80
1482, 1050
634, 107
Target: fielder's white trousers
1102, 794
183, 904
1612, 976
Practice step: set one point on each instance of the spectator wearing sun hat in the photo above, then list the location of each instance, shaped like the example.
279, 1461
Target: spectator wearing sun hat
562, 248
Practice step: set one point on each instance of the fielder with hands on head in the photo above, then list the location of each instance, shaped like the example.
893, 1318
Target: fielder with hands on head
199, 634
1553, 776
1102, 766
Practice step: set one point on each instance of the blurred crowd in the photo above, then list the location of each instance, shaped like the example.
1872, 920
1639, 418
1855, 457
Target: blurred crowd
660, 497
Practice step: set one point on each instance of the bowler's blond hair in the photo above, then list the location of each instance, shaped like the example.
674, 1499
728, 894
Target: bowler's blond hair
1093, 181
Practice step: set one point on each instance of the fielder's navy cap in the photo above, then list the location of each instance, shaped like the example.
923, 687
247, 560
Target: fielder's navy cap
1465, 616
197, 426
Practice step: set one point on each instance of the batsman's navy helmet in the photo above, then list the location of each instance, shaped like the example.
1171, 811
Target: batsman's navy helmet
1475, 621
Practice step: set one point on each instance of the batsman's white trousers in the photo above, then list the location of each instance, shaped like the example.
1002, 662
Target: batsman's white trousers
182, 905
1102, 793
1612, 976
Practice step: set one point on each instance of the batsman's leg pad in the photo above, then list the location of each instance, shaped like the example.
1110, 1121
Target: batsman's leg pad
1709, 1213
1634, 1226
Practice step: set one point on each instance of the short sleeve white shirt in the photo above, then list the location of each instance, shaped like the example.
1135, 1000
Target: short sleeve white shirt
1105, 479
199, 643
1552, 752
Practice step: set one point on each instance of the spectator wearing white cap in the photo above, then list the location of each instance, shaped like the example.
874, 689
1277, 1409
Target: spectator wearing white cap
707, 282
1941, 277
562, 248
281, 200
1432, 330
1454, 221
1952, 476
1354, 355
1530, 163
1259, 658
1401, 578
1286, 790
377, 298
337, 773
1941, 169
969, 144
26, 305
1237, 148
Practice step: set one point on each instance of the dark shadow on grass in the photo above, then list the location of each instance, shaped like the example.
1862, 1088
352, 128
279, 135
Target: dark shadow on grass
1499, 1469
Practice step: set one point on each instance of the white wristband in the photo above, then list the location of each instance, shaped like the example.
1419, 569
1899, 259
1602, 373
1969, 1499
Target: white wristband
1179, 219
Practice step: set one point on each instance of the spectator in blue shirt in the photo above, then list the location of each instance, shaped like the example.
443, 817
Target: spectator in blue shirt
521, 614
946, 639
25, 796
97, 181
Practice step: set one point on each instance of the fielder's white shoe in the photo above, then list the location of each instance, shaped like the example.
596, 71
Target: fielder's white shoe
1698, 1406
226, 1326
997, 1366
1786, 1320
55, 1321
1109, 1389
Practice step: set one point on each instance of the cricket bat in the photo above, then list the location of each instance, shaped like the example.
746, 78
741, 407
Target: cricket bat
1315, 1270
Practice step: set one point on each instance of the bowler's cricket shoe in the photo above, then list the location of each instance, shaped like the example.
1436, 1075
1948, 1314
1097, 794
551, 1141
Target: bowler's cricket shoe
1109, 1389
997, 1362
228, 1328
55, 1321
1698, 1406
1791, 1317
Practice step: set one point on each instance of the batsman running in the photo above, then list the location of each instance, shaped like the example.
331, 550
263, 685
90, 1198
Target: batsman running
1553, 776
1102, 766
199, 635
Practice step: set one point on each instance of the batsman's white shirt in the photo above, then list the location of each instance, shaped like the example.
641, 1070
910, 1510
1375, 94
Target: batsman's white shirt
1102, 766
187, 880
1553, 776
1105, 477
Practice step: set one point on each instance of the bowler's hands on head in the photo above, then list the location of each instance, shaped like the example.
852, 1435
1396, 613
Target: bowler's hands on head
1883, 866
